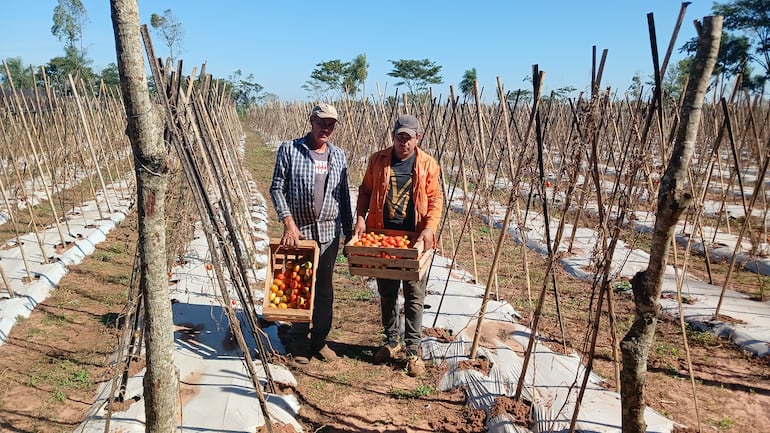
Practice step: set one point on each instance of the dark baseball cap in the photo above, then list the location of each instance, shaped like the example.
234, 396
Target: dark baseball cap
407, 123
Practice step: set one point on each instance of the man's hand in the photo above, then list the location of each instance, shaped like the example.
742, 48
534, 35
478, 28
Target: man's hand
360, 228
428, 238
291, 233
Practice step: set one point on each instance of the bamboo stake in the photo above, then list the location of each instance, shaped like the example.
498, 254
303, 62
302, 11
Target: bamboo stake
36, 159
604, 289
7, 283
206, 212
515, 187
19, 243
537, 82
493, 269
463, 174
27, 204
47, 145
682, 326
754, 195
58, 122
89, 142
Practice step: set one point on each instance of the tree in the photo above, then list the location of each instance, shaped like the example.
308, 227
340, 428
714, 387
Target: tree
636, 87
338, 75
751, 17
145, 131
21, 75
330, 75
68, 19
733, 57
416, 75
467, 84
170, 30
563, 92
675, 78
110, 75
356, 74
74, 62
673, 201
69, 16
245, 91
315, 88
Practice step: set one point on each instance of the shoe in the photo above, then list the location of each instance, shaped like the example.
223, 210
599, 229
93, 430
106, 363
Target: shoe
415, 366
325, 353
300, 354
387, 352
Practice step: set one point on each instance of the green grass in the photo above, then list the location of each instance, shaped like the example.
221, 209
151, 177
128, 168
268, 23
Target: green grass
122, 279
420, 391
54, 319
364, 295
61, 377
665, 349
722, 424
700, 337
103, 256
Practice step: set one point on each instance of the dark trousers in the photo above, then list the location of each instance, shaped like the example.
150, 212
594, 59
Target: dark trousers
322, 301
414, 300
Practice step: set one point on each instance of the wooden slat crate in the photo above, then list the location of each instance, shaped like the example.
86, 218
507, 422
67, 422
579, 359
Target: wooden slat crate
279, 257
410, 264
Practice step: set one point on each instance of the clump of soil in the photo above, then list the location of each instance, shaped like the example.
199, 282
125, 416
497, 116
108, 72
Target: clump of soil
681, 429
481, 364
468, 420
440, 334
519, 411
277, 428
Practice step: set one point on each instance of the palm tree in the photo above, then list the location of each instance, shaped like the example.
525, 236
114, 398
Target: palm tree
468, 82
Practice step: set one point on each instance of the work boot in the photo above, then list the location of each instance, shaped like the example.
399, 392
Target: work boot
415, 366
387, 352
325, 353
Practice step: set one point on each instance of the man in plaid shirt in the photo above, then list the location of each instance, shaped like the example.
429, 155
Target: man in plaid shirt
311, 196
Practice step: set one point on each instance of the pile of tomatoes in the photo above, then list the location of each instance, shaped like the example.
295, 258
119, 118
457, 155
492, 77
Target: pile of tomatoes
372, 239
379, 240
292, 286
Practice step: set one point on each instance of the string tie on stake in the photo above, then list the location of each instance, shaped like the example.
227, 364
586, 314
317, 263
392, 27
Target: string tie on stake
150, 171
136, 116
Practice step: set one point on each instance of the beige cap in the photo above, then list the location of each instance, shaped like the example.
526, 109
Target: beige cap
324, 111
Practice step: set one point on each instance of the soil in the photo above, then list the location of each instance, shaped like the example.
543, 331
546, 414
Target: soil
53, 361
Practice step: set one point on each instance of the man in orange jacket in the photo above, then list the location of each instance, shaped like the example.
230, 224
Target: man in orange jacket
401, 190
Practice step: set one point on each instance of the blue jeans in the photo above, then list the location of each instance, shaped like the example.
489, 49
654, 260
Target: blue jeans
322, 301
414, 300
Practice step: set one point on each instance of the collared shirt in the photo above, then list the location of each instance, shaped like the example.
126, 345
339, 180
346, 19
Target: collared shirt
292, 191
427, 192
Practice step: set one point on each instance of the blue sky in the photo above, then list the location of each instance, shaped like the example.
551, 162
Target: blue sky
280, 42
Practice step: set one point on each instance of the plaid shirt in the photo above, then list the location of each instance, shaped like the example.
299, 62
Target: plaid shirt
293, 186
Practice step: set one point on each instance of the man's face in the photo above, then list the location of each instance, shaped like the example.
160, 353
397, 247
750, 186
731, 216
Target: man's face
404, 144
321, 129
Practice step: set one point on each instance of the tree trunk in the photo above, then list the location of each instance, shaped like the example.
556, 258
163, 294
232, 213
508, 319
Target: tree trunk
145, 130
672, 201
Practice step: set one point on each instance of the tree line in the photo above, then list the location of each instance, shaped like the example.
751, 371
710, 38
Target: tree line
744, 52
69, 17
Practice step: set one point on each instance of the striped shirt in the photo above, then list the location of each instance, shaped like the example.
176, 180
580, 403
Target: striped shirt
293, 186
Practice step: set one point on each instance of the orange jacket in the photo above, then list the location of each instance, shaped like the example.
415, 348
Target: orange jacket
427, 193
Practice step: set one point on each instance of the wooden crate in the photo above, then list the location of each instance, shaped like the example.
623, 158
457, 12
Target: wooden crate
279, 256
411, 263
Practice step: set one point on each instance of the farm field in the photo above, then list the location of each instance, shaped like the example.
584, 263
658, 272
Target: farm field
593, 172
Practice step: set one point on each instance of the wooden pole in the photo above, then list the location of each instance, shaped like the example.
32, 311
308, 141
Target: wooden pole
89, 142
